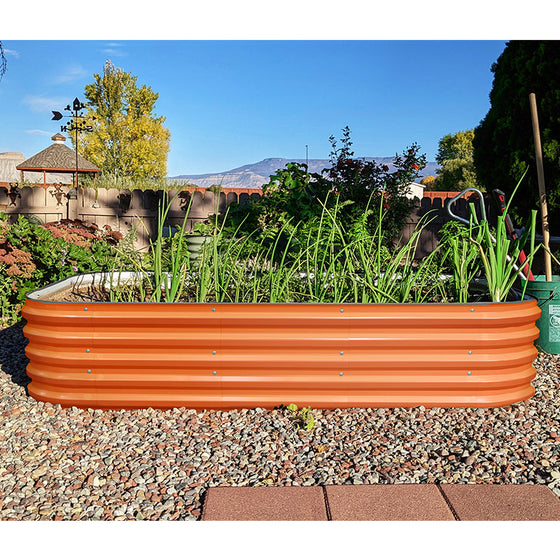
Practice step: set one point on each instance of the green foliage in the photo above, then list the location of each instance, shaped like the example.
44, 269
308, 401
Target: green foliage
206, 227
468, 249
455, 156
500, 256
316, 261
32, 256
461, 255
302, 418
455, 146
162, 271
105, 181
291, 195
320, 260
128, 140
295, 196
367, 182
503, 142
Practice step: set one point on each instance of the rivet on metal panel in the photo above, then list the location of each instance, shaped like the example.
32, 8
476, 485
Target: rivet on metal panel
341, 353
214, 372
213, 309
87, 350
89, 370
469, 372
341, 374
85, 308
213, 351
470, 351
342, 310
472, 310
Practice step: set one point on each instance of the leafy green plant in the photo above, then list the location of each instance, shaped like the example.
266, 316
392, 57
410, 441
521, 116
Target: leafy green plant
162, 275
295, 196
357, 180
203, 228
316, 261
326, 258
462, 255
500, 255
302, 418
9, 306
33, 255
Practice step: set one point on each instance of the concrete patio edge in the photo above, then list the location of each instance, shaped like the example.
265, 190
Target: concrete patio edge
382, 502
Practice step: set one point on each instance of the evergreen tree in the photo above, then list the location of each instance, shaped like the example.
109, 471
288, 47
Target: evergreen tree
128, 140
503, 142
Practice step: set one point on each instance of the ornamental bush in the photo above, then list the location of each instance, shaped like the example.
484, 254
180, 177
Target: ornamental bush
294, 195
33, 255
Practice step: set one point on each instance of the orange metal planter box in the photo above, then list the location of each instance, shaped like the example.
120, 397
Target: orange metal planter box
225, 356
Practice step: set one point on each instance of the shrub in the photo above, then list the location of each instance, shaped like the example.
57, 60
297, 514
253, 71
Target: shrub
33, 255
294, 195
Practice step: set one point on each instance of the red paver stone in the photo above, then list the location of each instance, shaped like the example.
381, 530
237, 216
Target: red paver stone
388, 502
286, 503
502, 502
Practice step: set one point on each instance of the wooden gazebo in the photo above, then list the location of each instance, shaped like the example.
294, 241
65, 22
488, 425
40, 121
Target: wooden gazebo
57, 158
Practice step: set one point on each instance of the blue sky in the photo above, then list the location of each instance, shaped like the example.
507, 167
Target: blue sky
230, 103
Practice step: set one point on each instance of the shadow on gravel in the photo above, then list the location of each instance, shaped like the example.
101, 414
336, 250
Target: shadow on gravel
13, 360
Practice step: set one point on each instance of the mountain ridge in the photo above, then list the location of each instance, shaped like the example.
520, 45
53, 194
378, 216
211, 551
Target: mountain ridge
255, 175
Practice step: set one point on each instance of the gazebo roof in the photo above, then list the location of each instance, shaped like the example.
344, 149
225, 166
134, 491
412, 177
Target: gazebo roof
57, 158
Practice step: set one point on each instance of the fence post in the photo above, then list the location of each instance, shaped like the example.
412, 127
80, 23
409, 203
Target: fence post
72, 205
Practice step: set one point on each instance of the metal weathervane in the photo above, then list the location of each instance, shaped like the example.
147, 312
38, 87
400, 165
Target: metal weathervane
76, 124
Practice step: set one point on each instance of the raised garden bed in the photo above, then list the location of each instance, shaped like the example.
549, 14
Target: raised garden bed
323, 355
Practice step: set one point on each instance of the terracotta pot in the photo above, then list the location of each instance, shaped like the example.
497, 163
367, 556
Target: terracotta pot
225, 356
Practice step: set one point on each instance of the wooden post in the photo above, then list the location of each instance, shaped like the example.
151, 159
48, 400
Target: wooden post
542, 190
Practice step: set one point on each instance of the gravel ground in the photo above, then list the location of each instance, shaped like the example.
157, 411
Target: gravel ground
70, 464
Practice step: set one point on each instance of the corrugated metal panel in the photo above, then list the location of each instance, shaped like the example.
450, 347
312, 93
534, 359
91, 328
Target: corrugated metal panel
224, 356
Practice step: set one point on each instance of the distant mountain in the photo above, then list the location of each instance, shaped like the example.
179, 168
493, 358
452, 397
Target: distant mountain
255, 175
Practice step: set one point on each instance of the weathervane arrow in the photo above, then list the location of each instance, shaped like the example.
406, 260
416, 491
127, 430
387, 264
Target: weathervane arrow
57, 115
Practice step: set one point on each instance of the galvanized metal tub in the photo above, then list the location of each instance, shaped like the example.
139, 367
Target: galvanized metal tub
226, 356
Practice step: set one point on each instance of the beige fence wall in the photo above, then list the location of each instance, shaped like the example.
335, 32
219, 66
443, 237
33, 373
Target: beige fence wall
122, 210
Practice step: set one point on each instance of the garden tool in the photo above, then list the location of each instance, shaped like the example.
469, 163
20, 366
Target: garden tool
542, 189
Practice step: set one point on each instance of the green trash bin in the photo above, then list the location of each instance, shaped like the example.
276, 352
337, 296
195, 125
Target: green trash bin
548, 296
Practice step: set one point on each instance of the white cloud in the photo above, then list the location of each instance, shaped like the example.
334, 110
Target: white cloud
40, 104
10, 52
114, 49
37, 132
73, 73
